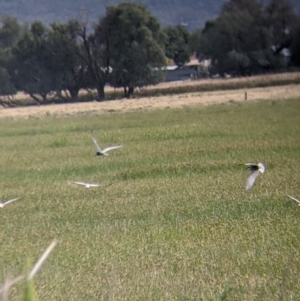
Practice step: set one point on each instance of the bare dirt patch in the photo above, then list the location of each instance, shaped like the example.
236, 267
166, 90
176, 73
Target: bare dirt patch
152, 103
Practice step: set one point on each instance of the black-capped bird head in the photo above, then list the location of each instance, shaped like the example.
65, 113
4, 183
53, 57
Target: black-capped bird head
255, 169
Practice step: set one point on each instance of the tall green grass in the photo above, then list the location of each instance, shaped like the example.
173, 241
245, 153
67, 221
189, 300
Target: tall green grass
176, 224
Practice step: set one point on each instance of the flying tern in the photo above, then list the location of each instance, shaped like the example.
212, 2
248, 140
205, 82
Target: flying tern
7, 202
100, 152
255, 169
294, 199
88, 185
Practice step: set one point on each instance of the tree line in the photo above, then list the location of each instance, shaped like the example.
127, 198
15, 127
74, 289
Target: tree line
127, 48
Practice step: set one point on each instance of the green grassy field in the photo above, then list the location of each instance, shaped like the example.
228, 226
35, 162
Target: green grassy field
176, 223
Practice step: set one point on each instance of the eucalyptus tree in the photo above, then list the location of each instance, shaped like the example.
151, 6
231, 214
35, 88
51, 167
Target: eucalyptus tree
295, 48
134, 44
194, 40
47, 62
94, 54
283, 23
62, 48
177, 44
238, 41
7, 88
32, 68
214, 45
10, 32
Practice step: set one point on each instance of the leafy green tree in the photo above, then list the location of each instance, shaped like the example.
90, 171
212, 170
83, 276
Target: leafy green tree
211, 41
238, 41
295, 48
46, 62
32, 69
282, 22
134, 43
6, 86
177, 44
61, 49
10, 31
95, 54
194, 40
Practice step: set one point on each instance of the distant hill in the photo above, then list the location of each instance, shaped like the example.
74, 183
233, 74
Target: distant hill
193, 13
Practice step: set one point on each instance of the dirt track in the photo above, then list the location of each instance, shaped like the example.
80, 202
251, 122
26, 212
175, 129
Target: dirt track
162, 102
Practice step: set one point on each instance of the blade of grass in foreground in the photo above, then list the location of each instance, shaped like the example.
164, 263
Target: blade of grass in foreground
29, 292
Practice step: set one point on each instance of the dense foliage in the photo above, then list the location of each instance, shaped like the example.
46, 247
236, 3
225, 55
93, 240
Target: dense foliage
125, 49
248, 37
177, 44
128, 47
135, 43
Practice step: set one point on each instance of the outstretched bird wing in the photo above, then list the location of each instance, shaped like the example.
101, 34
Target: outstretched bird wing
94, 185
294, 199
98, 150
111, 148
80, 183
87, 185
10, 201
251, 179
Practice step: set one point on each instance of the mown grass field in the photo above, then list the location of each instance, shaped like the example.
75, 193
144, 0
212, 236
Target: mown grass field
176, 223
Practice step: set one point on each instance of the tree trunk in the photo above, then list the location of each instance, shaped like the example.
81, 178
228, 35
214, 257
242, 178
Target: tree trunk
35, 98
100, 92
128, 93
44, 96
74, 91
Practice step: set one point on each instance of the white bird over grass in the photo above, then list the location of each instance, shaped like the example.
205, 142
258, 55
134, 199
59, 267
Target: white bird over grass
88, 185
7, 202
100, 152
294, 199
255, 169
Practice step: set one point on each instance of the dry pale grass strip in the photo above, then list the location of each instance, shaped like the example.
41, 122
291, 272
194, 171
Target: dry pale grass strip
291, 76
152, 103
256, 78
